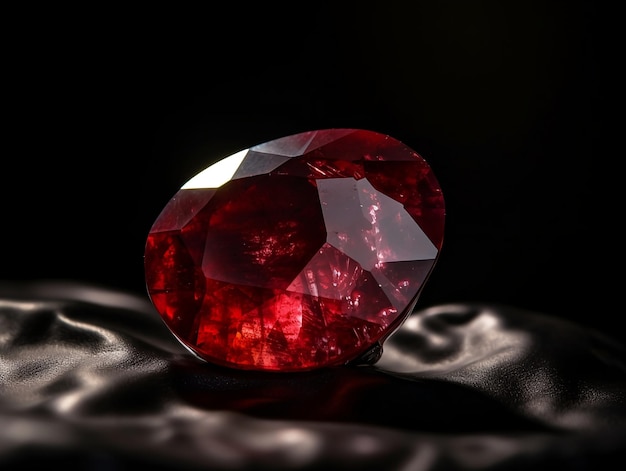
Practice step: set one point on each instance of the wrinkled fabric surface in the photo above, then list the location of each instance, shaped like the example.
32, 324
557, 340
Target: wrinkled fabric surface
90, 378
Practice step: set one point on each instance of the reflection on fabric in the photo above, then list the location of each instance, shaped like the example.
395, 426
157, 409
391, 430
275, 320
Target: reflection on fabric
90, 377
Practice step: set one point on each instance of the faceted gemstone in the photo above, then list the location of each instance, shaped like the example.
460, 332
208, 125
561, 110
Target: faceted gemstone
300, 253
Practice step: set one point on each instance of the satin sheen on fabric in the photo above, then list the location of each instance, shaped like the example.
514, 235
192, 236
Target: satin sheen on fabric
90, 378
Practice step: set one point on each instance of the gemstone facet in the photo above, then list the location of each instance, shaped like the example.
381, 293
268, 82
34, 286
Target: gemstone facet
300, 253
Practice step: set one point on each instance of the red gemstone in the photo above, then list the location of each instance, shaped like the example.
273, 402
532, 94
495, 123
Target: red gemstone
300, 253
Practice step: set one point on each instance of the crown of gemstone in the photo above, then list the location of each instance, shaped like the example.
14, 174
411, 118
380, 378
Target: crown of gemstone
300, 253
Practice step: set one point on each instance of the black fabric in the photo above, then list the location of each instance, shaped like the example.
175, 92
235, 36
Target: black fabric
92, 379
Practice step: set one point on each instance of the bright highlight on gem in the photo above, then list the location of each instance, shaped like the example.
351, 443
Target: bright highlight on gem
218, 173
300, 253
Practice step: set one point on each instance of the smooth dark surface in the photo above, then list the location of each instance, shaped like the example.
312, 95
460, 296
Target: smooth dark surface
91, 379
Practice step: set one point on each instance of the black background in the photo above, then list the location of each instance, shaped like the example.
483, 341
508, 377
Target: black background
110, 111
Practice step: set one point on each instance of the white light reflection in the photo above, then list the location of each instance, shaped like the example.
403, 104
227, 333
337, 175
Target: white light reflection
217, 174
367, 445
295, 445
473, 349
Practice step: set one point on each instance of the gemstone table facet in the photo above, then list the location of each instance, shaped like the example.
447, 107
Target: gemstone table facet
300, 253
